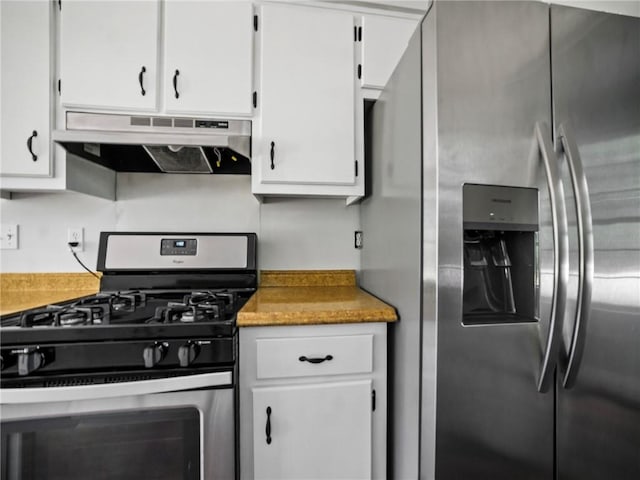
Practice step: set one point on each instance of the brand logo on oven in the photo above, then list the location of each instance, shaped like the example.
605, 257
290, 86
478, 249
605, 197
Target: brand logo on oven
178, 261
500, 200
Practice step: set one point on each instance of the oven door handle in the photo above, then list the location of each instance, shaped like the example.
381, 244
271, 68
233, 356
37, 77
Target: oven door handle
111, 390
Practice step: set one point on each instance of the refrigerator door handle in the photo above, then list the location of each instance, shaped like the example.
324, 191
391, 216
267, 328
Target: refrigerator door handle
560, 257
585, 254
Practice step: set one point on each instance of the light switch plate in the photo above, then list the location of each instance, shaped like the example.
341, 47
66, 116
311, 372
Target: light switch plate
9, 236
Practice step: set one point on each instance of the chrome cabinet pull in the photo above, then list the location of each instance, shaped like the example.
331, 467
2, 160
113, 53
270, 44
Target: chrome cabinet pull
30, 144
316, 359
585, 254
175, 83
140, 76
560, 256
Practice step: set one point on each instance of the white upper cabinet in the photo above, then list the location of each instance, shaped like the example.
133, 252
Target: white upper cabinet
110, 50
26, 87
109, 54
384, 40
305, 139
208, 56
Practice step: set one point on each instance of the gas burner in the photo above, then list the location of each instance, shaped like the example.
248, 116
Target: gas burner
226, 300
118, 302
181, 313
65, 316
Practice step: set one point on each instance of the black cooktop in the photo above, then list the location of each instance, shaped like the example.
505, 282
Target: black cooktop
127, 315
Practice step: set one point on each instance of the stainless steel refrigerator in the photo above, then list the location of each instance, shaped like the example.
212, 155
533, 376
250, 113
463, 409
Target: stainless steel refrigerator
503, 222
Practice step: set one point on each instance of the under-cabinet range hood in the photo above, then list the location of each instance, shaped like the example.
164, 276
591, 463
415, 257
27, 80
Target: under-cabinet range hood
137, 143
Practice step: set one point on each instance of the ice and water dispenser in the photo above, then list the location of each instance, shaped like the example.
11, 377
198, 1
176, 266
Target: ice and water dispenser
500, 254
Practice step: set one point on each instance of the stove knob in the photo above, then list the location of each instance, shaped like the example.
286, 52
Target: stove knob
187, 353
30, 360
153, 354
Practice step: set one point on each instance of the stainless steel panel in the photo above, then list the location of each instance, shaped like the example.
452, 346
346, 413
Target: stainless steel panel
596, 88
391, 254
125, 123
89, 178
143, 252
493, 86
216, 407
430, 195
500, 208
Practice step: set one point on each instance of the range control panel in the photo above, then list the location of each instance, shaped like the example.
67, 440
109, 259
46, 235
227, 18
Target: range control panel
178, 246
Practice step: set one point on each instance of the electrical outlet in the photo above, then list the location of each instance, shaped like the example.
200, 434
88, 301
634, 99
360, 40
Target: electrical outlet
76, 235
357, 239
9, 236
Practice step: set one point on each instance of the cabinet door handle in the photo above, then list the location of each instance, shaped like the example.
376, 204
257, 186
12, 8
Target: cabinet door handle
315, 360
140, 75
29, 145
175, 83
268, 427
273, 154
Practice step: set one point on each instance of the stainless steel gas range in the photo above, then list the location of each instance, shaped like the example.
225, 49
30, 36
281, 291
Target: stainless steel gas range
139, 380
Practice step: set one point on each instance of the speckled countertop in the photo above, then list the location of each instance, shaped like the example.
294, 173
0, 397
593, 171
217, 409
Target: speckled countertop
312, 297
21, 291
287, 297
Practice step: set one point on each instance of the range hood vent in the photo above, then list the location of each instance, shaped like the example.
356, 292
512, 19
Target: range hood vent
134, 143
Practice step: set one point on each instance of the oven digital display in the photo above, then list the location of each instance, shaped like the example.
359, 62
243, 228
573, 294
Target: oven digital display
178, 246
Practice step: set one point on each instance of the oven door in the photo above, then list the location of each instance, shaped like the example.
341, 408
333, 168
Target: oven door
169, 428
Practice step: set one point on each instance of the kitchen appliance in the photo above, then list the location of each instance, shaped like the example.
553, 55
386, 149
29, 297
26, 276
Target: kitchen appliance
139, 380
139, 143
503, 225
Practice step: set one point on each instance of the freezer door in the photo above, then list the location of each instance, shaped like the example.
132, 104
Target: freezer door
493, 119
596, 89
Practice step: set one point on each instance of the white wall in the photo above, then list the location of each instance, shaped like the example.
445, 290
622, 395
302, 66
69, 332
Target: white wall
624, 7
631, 8
292, 233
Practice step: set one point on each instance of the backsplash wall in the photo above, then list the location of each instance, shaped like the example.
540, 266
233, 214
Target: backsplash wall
292, 233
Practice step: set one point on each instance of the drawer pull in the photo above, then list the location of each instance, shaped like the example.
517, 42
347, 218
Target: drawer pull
268, 428
315, 360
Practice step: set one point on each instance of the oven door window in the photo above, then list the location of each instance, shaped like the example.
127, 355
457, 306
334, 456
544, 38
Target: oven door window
152, 444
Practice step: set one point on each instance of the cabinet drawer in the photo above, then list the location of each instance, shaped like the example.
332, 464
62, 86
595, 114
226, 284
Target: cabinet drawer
309, 356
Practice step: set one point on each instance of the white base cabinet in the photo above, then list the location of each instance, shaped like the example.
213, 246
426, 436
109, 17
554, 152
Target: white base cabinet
313, 402
319, 431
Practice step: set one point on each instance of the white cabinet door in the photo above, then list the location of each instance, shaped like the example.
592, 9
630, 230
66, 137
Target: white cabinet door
25, 88
109, 54
210, 45
320, 431
384, 40
306, 97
